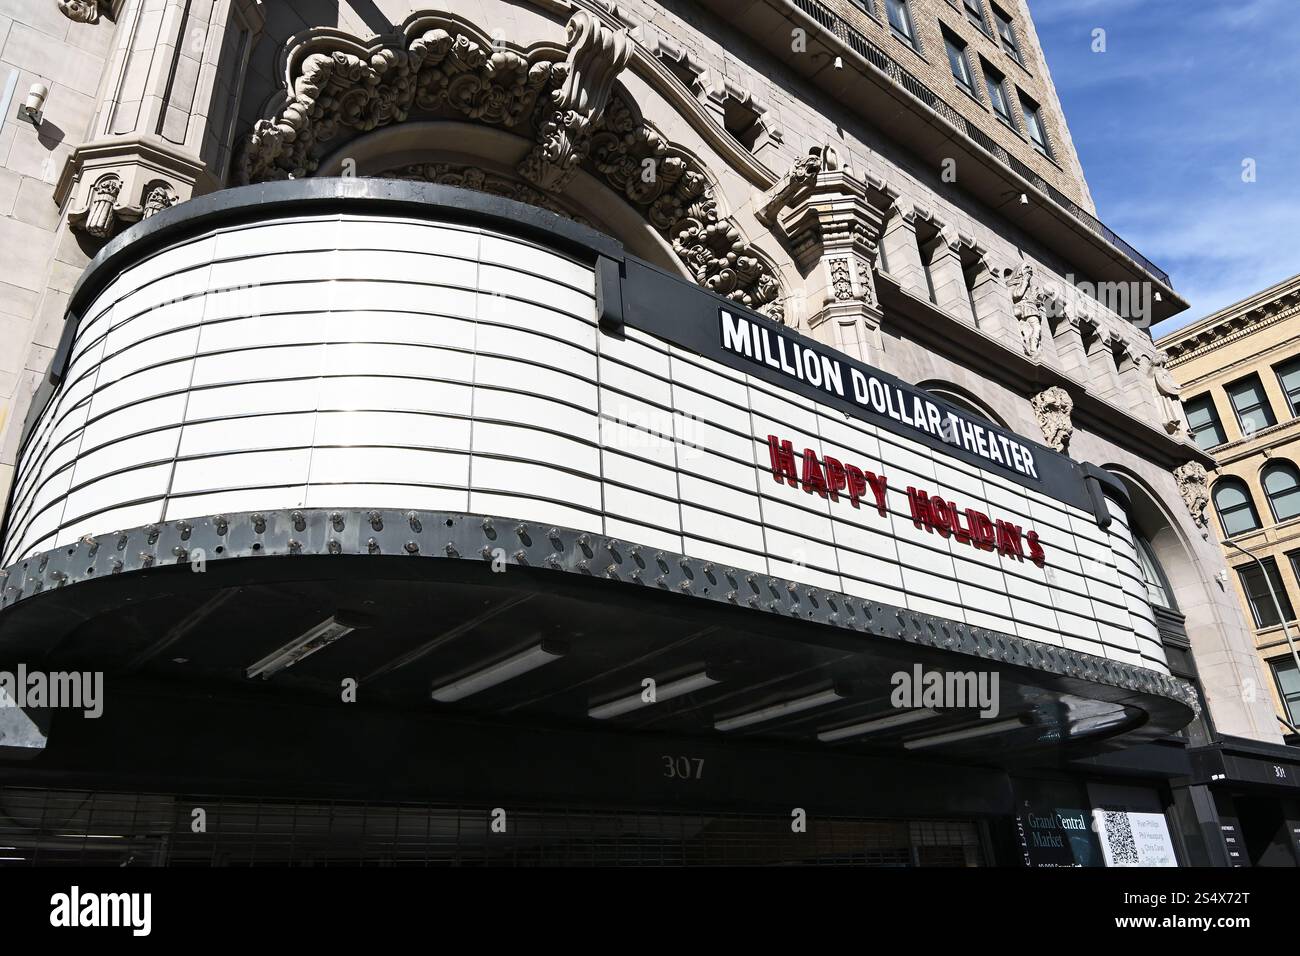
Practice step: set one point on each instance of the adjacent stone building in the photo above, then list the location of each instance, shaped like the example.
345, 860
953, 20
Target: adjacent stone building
883, 185
1239, 374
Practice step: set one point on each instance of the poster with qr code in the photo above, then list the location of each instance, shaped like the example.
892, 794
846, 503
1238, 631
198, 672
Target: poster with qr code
1134, 839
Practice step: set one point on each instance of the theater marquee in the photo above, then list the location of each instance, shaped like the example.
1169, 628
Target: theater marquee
371, 359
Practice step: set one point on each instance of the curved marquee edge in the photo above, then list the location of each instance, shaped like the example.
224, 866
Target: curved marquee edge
482, 538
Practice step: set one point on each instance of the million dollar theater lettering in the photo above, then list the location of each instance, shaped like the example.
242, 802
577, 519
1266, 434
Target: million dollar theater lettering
800, 362
833, 479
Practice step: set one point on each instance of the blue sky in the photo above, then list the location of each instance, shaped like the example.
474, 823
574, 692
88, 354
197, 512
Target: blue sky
1163, 119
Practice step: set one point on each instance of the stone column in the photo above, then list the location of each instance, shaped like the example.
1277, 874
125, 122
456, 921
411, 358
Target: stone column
1101, 361
1068, 340
1136, 385
833, 225
902, 252
992, 303
163, 125
949, 279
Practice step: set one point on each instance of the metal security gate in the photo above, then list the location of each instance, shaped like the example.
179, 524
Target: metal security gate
56, 827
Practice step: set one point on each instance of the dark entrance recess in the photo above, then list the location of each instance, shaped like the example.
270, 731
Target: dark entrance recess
43, 827
182, 716
1265, 830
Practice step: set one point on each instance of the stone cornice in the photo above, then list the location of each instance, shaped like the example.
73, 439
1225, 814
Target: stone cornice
1246, 364
1029, 376
1235, 322
1263, 441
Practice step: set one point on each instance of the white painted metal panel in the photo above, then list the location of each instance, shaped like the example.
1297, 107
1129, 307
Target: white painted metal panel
379, 362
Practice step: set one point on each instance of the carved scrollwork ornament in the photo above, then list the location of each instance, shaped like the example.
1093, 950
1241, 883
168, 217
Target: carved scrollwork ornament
578, 119
101, 217
157, 197
568, 113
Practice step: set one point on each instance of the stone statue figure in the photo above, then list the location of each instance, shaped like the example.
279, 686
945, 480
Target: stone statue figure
1027, 306
1167, 396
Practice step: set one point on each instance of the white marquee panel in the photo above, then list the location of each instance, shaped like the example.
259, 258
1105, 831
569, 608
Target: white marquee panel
389, 363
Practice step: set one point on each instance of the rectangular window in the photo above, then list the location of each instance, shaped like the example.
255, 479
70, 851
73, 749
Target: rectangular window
866, 6
1259, 597
1288, 685
1203, 420
996, 84
958, 63
1288, 376
975, 13
1034, 125
1007, 34
1251, 405
900, 19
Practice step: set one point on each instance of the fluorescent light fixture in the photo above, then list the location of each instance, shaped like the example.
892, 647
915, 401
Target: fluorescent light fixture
875, 725
662, 692
322, 635
954, 736
779, 710
92, 836
500, 672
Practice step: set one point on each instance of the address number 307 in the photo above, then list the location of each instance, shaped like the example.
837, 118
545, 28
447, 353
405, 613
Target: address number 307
683, 768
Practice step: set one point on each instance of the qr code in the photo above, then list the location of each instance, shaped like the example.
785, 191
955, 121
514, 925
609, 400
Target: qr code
1119, 839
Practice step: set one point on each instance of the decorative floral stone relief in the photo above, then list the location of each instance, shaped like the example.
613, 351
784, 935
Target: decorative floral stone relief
340, 95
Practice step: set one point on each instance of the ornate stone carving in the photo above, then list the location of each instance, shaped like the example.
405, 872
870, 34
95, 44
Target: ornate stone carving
472, 177
831, 222
1193, 485
597, 55
157, 197
100, 219
866, 282
1053, 408
1167, 390
678, 199
841, 280
341, 94
1027, 305
82, 11
801, 176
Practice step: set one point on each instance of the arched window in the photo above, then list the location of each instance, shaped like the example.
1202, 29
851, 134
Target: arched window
964, 400
1157, 588
1236, 510
1282, 486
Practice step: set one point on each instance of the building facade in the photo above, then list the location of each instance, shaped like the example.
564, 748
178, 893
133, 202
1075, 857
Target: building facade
562, 431
1239, 374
